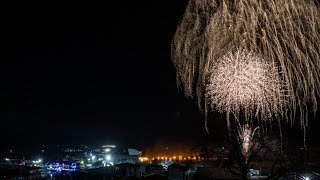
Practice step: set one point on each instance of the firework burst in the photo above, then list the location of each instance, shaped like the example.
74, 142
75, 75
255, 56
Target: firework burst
277, 35
243, 81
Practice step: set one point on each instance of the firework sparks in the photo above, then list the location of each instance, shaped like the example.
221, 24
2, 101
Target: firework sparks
242, 81
274, 32
246, 140
245, 136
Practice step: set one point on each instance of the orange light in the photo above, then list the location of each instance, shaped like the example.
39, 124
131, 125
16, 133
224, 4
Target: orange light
142, 159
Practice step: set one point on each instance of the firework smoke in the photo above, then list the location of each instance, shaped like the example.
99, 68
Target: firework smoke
280, 35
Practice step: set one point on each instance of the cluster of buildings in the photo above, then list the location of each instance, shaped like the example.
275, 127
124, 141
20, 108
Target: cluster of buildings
110, 162
106, 161
65, 159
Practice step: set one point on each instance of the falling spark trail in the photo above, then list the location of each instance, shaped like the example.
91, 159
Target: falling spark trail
279, 36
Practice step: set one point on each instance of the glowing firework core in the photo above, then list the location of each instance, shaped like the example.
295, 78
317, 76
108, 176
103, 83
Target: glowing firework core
244, 81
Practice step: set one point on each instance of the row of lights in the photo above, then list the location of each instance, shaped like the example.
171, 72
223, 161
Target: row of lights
143, 159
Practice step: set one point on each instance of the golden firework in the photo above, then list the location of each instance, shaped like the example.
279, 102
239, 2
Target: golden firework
285, 36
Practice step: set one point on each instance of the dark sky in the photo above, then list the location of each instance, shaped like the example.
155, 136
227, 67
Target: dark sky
93, 73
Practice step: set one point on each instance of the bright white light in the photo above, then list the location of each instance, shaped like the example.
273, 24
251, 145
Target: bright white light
93, 157
81, 162
307, 178
107, 150
39, 160
108, 157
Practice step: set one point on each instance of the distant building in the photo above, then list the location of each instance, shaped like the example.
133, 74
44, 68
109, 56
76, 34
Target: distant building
109, 155
124, 155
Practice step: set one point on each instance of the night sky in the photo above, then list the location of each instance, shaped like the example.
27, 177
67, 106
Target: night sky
93, 73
